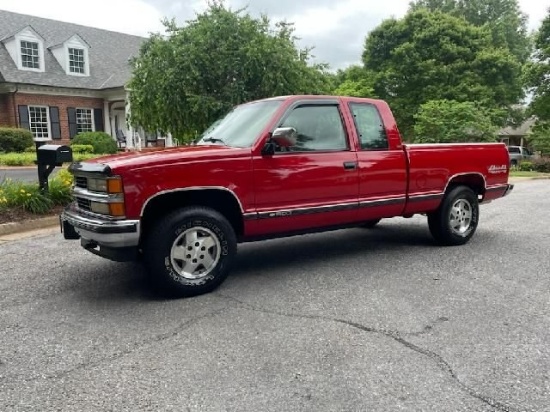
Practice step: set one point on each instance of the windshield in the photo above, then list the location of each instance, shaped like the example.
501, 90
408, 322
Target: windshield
241, 126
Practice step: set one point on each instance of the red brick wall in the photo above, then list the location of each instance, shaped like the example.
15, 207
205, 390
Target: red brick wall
7, 113
62, 102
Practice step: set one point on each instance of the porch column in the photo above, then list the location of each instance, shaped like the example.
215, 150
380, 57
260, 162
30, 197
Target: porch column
107, 118
169, 140
130, 134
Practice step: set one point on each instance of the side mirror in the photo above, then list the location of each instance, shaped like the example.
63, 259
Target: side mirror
284, 136
281, 137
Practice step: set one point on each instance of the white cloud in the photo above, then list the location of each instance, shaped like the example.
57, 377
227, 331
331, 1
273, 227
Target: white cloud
321, 20
315, 21
536, 10
126, 16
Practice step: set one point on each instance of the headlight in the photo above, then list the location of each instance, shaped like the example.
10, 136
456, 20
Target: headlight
97, 185
109, 185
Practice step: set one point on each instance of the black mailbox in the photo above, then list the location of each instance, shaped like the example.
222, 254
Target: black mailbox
48, 156
53, 154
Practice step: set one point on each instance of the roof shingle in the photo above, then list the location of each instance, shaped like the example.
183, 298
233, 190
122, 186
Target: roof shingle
109, 54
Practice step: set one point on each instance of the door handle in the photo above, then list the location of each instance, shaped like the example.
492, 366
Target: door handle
350, 165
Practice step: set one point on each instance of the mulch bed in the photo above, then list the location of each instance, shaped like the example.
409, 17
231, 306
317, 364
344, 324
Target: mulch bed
20, 215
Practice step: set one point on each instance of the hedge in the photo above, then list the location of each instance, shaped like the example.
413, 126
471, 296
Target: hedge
14, 140
102, 142
27, 159
542, 165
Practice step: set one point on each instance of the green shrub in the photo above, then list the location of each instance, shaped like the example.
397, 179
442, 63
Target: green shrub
526, 166
17, 159
27, 159
542, 165
14, 140
27, 196
30, 149
101, 142
60, 188
82, 148
24, 195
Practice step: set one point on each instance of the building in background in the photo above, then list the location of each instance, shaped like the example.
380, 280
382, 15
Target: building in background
58, 79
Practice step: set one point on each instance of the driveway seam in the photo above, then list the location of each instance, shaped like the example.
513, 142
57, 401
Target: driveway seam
394, 335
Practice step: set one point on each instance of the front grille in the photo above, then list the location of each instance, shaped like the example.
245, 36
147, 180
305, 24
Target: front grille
81, 181
84, 204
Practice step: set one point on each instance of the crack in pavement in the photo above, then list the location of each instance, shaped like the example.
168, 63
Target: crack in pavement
118, 355
428, 328
394, 335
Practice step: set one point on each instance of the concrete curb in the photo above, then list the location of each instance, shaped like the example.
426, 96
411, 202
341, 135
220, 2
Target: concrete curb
28, 225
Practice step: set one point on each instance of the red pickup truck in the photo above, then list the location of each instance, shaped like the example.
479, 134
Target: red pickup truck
271, 168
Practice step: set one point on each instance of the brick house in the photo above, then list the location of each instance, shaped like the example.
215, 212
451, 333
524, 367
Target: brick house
58, 79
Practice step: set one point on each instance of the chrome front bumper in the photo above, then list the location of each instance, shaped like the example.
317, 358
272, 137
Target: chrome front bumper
108, 233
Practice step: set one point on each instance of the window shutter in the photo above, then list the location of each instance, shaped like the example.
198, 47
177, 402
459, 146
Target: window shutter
54, 123
71, 113
98, 120
24, 117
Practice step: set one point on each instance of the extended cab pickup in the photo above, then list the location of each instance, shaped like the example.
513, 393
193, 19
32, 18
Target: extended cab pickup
272, 168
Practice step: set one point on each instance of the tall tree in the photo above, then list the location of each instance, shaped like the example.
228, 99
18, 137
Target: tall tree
435, 56
354, 81
538, 81
503, 18
538, 73
447, 121
184, 81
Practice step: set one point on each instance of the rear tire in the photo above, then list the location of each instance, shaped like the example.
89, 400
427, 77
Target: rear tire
456, 220
190, 252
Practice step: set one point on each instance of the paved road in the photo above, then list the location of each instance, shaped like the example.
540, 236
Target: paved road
354, 320
23, 174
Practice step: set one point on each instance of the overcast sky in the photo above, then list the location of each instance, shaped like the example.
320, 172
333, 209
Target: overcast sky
336, 28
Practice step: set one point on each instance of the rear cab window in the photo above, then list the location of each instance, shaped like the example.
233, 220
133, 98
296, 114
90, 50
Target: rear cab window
369, 126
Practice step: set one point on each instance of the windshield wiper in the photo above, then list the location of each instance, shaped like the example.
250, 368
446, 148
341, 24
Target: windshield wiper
213, 139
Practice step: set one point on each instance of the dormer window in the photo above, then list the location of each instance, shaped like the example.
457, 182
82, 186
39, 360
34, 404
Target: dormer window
26, 48
76, 61
72, 55
30, 55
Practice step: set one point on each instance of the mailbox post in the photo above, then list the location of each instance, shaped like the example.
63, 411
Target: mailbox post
48, 156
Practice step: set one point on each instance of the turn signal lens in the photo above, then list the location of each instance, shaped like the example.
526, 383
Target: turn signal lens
116, 209
114, 185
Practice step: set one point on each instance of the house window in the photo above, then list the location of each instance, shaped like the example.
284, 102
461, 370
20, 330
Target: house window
39, 121
76, 61
29, 55
84, 120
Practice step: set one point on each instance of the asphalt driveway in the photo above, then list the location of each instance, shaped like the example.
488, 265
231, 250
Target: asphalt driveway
354, 320
22, 174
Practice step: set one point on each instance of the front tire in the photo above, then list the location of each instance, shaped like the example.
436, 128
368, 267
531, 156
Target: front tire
456, 220
190, 252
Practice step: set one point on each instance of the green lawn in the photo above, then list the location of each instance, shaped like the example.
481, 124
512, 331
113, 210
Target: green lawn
517, 173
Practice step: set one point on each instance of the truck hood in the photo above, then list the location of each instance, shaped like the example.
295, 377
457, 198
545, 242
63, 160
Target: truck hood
161, 156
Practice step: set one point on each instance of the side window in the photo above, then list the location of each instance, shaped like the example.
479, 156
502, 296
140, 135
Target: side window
319, 128
370, 127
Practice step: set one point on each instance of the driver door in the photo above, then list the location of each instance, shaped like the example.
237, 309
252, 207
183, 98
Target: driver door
313, 183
